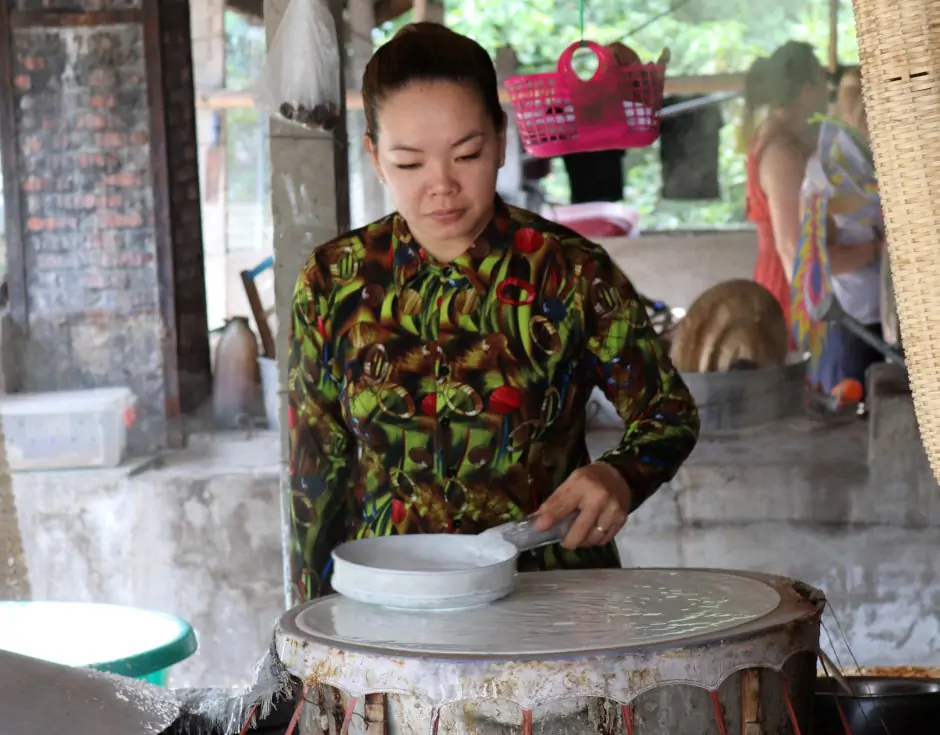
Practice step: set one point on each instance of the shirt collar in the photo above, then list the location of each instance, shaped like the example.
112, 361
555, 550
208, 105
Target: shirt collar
409, 258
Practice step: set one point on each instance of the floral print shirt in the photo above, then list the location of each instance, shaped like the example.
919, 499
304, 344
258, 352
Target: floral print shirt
430, 397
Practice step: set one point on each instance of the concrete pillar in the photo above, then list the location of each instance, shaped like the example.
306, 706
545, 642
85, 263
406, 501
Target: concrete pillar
367, 195
101, 194
509, 182
208, 24
310, 205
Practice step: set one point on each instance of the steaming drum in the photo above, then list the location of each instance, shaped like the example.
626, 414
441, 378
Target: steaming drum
636, 651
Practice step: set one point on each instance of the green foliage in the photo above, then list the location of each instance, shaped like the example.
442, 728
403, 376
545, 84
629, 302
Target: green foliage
246, 149
244, 51
704, 36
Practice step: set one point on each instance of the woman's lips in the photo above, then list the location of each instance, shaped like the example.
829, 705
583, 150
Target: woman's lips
447, 216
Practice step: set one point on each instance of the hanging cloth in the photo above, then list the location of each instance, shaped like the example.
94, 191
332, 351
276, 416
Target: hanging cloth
688, 152
595, 177
841, 181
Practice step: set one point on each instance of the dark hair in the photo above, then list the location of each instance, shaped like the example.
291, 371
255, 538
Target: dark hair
778, 80
429, 52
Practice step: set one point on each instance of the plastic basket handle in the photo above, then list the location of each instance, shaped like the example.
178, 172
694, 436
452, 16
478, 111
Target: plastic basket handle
566, 70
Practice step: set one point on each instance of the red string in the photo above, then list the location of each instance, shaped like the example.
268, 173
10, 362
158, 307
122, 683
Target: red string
789, 703
295, 718
627, 712
845, 721
526, 722
251, 716
347, 718
719, 715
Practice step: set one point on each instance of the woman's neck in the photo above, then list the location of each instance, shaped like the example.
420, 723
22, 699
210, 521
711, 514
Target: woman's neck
444, 251
447, 251
792, 122
789, 120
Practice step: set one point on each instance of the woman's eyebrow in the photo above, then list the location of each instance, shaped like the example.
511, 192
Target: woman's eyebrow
465, 139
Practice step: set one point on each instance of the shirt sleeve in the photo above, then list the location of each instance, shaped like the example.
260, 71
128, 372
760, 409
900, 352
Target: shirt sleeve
322, 451
630, 364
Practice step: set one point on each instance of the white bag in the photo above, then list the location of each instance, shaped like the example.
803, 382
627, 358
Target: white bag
299, 81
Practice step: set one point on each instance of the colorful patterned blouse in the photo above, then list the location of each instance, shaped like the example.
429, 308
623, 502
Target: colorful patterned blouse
450, 397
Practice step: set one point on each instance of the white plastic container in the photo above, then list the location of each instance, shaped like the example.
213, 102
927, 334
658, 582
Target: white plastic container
597, 219
62, 430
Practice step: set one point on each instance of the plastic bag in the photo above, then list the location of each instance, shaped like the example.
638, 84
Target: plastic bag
299, 81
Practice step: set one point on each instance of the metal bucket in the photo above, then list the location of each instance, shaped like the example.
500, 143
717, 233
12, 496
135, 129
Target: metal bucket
744, 398
879, 705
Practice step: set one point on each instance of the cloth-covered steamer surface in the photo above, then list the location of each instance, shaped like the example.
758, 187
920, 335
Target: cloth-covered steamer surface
899, 50
41, 698
617, 635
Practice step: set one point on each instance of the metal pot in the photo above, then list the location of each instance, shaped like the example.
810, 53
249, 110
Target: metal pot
880, 705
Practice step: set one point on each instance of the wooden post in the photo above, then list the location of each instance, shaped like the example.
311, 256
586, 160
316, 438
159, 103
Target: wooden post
833, 35
750, 702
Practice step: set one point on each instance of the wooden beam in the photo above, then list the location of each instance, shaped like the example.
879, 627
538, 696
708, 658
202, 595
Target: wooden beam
228, 100
386, 10
56, 19
833, 35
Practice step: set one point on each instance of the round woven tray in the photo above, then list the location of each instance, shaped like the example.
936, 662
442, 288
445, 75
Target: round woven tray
899, 49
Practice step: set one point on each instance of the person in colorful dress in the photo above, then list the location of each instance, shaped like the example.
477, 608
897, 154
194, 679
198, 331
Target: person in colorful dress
792, 86
841, 244
441, 358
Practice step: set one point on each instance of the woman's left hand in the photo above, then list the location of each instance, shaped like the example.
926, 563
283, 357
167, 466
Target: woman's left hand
602, 498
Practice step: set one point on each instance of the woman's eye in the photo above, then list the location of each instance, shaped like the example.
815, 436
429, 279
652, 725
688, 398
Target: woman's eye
406, 166
471, 157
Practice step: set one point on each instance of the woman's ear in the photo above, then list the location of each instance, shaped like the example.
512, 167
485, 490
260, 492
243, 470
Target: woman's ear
373, 151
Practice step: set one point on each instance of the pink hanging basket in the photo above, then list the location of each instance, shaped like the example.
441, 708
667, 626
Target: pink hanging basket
559, 113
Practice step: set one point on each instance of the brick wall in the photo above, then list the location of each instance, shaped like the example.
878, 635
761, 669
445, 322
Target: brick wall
112, 262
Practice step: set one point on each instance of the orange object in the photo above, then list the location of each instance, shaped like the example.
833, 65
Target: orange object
624, 55
848, 391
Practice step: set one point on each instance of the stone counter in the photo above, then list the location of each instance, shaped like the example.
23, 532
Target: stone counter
194, 533
197, 534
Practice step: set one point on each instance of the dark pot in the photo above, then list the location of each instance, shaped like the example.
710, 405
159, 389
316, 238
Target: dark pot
880, 706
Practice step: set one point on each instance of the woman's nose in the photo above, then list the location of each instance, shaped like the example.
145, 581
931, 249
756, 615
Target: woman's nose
444, 181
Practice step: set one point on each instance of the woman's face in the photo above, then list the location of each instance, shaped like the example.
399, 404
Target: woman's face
439, 154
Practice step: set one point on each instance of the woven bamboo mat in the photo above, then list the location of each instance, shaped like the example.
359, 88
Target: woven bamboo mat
899, 48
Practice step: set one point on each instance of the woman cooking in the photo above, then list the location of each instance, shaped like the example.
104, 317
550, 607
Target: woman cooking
441, 358
792, 86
